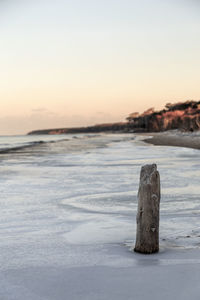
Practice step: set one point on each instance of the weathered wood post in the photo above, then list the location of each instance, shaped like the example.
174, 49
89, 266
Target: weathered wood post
147, 238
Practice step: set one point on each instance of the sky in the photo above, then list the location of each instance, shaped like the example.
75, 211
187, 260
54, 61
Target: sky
82, 62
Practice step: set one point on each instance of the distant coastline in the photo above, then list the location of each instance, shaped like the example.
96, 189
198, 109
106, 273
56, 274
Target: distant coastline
184, 116
110, 127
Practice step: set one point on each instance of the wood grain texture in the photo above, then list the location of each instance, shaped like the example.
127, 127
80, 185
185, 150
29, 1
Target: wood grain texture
147, 238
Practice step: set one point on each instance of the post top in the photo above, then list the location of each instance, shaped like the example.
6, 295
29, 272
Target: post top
147, 171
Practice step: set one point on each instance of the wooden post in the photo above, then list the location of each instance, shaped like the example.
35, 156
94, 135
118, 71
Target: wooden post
147, 239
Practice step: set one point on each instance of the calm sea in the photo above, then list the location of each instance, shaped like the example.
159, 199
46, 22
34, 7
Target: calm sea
65, 200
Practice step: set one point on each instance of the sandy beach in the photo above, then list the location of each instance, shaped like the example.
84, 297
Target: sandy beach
175, 138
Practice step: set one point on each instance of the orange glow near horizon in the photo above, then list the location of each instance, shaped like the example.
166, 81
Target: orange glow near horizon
81, 64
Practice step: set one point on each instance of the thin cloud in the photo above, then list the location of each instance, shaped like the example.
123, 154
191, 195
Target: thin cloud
39, 110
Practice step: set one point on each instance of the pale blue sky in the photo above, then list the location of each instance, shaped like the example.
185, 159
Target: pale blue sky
68, 63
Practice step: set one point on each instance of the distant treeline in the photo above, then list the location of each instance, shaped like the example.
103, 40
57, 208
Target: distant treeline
110, 127
182, 115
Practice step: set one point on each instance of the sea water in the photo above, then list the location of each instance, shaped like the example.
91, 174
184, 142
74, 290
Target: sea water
71, 200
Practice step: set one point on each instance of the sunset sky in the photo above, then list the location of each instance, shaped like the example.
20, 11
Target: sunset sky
70, 63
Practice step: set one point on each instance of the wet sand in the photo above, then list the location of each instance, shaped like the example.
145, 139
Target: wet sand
176, 138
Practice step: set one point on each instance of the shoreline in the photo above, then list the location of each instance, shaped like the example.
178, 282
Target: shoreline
175, 139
